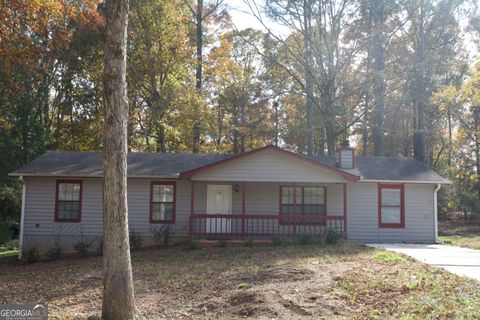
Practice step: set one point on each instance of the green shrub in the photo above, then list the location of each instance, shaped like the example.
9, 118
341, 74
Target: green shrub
249, 243
277, 241
136, 240
55, 252
82, 245
30, 254
12, 245
191, 244
5, 232
334, 236
163, 235
223, 243
307, 239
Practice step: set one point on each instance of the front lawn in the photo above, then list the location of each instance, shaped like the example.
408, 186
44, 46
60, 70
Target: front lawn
264, 281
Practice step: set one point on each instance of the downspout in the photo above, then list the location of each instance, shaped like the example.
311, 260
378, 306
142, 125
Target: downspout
22, 219
435, 210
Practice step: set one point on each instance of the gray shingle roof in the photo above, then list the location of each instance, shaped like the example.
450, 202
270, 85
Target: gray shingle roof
389, 169
58, 163
67, 163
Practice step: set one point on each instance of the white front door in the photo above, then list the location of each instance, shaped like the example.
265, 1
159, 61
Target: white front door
219, 201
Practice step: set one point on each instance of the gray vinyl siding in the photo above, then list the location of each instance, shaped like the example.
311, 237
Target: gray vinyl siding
362, 222
261, 198
40, 208
419, 213
269, 166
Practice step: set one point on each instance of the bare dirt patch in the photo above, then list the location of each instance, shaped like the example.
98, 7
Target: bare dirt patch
276, 274
285, 292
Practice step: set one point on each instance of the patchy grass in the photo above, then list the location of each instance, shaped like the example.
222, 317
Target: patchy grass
388, 257
283, 282
7, 252
472, 241
461, 233
409, 291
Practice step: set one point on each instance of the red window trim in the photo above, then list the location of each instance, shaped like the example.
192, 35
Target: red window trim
56, 218
174, 184
400, 187
295, 201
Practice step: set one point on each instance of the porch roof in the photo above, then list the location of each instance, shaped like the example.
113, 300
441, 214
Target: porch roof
175, 165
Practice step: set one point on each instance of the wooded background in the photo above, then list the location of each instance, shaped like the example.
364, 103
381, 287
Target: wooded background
395, 77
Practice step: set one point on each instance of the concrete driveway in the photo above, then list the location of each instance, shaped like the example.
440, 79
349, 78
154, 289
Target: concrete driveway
461, 261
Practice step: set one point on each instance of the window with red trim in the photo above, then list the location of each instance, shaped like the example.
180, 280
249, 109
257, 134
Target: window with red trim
307, 201
162, 202
68, 206
391, 206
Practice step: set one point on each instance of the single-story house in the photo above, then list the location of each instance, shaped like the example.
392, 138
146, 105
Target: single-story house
264, 193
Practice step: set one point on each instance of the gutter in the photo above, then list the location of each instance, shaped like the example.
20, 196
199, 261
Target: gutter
435, 210
406, 181
22, 219
50, 175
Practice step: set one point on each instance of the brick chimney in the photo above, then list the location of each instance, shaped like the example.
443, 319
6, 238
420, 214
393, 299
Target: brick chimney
345, 156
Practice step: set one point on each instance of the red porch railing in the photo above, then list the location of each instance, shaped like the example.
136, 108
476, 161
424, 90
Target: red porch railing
257, 226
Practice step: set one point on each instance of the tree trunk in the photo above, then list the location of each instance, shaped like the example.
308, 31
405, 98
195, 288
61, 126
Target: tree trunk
198, 73
331, 139
419, 89
366, 102
308, 74
161, 144
275, 106
476, 136
449, 115
118, 292
379, 78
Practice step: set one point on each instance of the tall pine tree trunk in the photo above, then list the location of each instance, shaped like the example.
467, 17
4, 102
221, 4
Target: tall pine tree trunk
419, 89
366, 101
379, 78
198, 73
308, 74
118, 293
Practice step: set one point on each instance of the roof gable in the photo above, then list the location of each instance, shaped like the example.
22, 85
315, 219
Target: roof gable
269, 163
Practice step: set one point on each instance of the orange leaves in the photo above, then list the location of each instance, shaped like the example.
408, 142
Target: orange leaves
32, 33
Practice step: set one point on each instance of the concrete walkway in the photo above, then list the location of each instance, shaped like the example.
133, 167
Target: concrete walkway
461, 261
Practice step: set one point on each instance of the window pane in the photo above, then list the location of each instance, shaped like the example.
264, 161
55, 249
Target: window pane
390, 197
313, 195
69, 191
391, 215
68, 210
299, 195
162, 193
287, 195
287, 209
162, 211
309, 209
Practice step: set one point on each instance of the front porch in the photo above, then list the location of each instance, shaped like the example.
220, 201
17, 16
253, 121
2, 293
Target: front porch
238, 210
